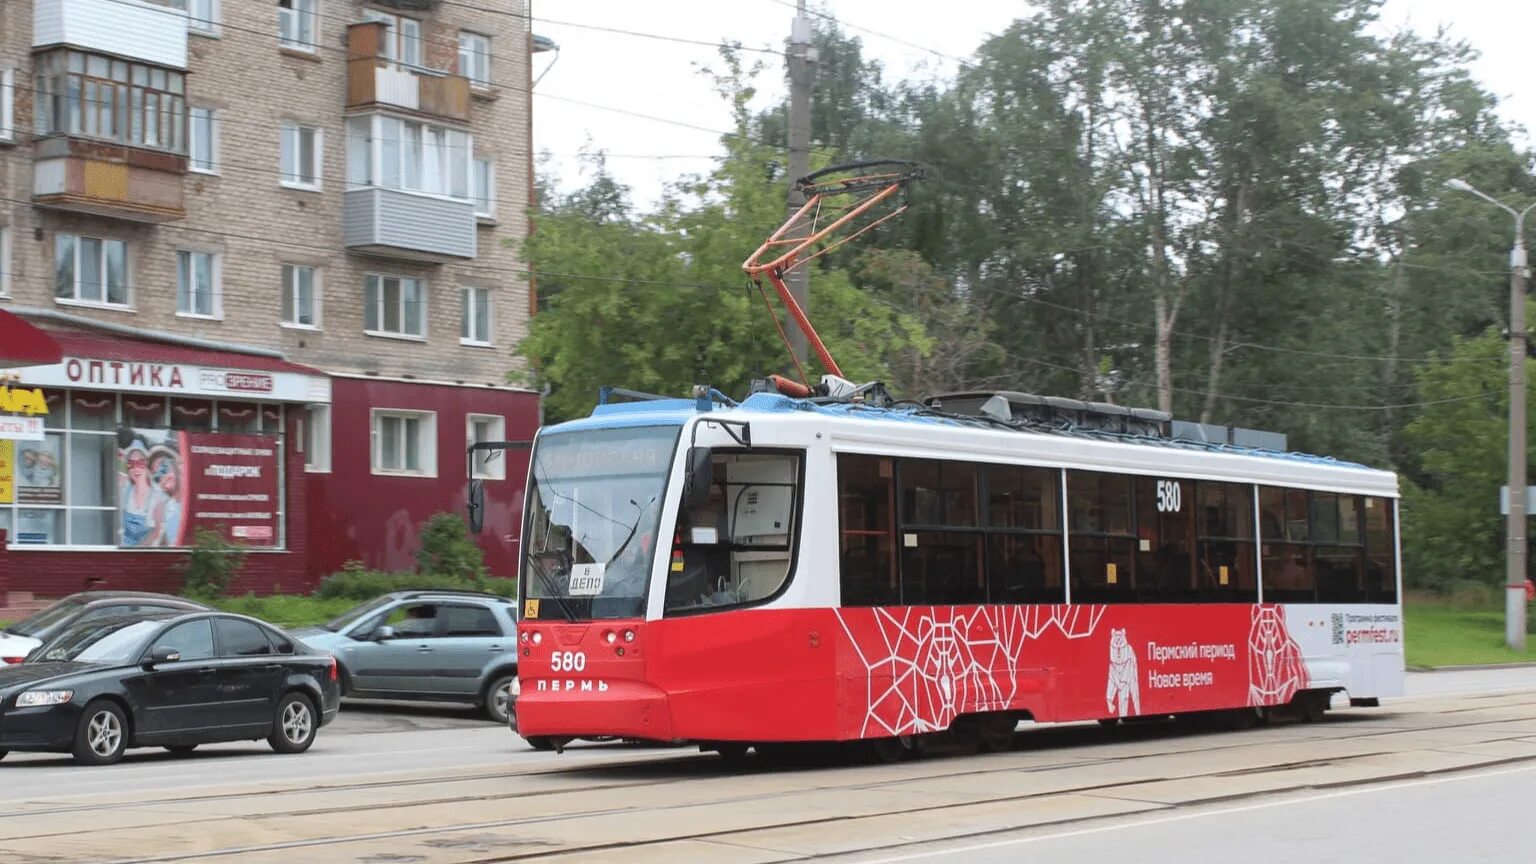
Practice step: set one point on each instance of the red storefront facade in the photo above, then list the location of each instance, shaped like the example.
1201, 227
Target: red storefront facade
361, 464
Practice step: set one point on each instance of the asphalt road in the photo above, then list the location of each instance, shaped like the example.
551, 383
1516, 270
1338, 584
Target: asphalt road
1480, 816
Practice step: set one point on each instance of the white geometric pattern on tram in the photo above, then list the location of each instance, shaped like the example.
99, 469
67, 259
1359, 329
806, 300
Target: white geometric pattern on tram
925, 664
1276, 669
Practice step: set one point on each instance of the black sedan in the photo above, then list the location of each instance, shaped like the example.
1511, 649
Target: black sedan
171, 680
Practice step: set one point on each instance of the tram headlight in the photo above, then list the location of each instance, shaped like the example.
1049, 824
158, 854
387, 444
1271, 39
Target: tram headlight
524, 637
537, 637
629, 635
610, 637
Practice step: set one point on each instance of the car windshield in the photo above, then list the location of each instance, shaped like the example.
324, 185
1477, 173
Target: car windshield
112, 642
594, 506
42, 624
357, 613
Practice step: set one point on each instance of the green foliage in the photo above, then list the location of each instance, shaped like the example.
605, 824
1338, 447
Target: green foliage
286, 610
1452, 529
356, 583
1441, 634
213, 563
447, 549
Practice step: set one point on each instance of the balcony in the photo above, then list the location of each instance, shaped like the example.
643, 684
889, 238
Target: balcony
375, 81
131, 29
105, 179
408, 226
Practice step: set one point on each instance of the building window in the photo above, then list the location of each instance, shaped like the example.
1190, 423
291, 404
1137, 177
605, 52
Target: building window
7, 104
475, 58
95, 96
298, 24
410, 156
5, 261
301, 296
301, 151
317, 439
402, 38
487, 464
405, 442
395, 305
484, 190
90, 270
202, 15
202, 140
475, 326
197, 284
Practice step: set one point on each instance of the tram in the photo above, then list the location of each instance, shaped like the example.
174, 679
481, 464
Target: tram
825, 564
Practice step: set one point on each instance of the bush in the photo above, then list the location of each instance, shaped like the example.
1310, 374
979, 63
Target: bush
213, 564
447, 549
356, 582
286, 610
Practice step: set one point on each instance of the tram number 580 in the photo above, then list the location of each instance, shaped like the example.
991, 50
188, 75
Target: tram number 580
1170, 498
568, 661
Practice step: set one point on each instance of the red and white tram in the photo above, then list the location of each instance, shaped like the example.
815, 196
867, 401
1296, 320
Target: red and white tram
814, 570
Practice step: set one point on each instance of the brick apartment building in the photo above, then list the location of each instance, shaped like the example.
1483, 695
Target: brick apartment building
277, 245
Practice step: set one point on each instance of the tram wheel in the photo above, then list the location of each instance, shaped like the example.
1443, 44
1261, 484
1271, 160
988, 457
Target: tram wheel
890, 750
1109, 721
997, 732
732, 754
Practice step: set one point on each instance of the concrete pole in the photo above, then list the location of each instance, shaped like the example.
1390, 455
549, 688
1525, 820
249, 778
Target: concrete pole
1514, 591
801, 62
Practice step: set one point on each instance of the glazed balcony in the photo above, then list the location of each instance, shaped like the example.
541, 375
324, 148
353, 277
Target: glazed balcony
130, 29
375, 81
408, 226
106, 179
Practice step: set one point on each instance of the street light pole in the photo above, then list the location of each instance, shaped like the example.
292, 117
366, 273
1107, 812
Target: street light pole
1515, 571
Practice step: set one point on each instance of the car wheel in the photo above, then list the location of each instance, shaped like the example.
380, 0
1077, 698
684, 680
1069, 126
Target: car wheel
181, 748
294, 725
101, 736
4, 753
501, 699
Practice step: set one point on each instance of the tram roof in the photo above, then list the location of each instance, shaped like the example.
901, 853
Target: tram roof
680, 411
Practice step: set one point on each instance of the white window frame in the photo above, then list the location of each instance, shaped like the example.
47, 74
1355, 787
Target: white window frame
103, 303
290, 26
496, 467
289, 136
426, 441
5, 260
215, 284
368, 135
391, 334
7, 104
195, 139
290, 288
485, 207
467, 317
483, 52
317, 439
399, 38
203, 16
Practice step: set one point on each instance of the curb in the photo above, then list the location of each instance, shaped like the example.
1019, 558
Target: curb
1475, 667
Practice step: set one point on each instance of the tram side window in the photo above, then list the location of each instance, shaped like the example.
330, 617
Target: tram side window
866, 509
1287, 556
1380, 551
738, 548
1165, 564
1340, 550
1224, 527
1024, 561
1102, 544
941, 548
1315, 547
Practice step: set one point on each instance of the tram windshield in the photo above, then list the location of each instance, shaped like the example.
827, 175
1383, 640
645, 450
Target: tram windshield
590, 531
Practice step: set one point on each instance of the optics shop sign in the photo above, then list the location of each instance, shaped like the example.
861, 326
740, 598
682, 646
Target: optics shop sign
171, 483
180, 379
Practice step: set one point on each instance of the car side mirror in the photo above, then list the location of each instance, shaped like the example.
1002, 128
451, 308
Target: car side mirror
160, 655
384, 633
700, 472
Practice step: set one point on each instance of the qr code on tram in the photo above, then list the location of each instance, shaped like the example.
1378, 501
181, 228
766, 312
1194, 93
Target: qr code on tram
1338, 628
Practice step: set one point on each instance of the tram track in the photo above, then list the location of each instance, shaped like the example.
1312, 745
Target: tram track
667, 787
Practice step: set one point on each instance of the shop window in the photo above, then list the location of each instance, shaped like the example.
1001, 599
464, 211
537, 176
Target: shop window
193, 415
317, 438
146, 411
239, 417
93, 411
272, 419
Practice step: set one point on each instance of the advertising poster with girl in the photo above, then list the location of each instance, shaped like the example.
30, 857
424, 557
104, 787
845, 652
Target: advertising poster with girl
152, 492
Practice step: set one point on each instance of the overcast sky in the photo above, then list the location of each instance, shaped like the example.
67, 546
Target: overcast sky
661, 78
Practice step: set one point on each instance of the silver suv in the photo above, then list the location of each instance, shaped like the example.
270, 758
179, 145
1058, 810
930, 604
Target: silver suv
427, 645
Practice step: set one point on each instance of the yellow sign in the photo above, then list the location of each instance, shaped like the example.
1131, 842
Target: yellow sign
28, 402
531, 609
7, 472
1223, 574
1111, 574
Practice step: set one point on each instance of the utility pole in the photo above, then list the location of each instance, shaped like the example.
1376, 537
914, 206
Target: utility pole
802, 61
1515, 528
